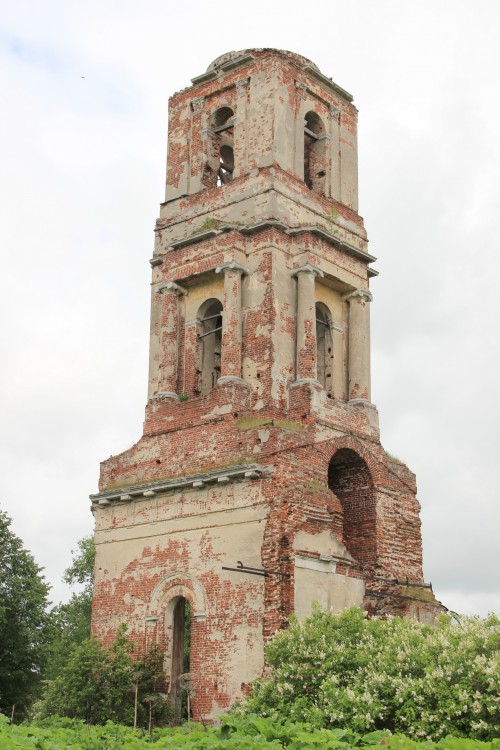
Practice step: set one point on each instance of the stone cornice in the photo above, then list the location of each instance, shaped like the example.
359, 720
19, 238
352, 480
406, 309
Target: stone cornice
320, 232
198, 237
236, 62
315, 73
192, 481
272, 223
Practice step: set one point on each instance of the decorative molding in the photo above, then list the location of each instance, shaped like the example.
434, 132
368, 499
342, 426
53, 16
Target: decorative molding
204, 77
273, 223
362, 294
233, 266
171, 286
242, 86
307, 268
173, 585
305, 381
193, 481
230, 379
198, 105
321, 232
334, 112
155, 262
235, 62
261, 225
301, 89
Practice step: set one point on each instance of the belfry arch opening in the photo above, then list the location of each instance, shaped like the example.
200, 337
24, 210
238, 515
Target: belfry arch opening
324, 347
315, 153
210, 345
350, 480
181, 656
219, 165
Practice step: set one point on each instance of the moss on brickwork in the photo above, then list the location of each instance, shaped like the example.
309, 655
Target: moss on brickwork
316, 486
394, 459
209, 223
255, 423
418, 592
192, 472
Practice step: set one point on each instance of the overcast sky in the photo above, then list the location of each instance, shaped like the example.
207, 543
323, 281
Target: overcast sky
83, 143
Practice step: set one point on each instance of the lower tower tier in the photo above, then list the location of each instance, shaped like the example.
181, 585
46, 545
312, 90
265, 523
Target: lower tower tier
247, 519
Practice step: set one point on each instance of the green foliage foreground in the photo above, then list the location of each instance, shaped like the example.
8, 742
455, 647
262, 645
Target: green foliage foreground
250, 733
347, 671
24, 623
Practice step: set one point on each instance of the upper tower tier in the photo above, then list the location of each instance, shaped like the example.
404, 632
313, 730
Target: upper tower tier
262, 134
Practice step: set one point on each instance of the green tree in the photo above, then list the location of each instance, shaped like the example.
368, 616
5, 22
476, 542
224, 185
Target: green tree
23, 621
349, 672
97, 684
70, 622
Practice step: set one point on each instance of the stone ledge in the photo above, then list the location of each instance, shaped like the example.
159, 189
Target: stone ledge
193, 481
313, 71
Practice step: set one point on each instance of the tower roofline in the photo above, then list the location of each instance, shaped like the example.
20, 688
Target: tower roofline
224, 61
237, 58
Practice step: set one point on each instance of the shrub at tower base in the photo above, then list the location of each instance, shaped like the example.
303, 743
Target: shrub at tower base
350, 672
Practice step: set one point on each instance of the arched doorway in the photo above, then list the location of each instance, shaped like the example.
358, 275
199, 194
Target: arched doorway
181, 657
350, 480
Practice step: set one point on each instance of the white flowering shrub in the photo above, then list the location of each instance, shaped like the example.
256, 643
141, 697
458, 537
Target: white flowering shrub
350, 672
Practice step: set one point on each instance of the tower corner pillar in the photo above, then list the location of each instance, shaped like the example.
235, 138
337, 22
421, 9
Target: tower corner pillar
168, 367
306, 353
231, 320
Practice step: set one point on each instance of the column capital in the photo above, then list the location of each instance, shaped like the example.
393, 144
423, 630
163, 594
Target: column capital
301, 89
233, 266
334, 112
241, 86
171, 286
308, 268
198, 104
362, 294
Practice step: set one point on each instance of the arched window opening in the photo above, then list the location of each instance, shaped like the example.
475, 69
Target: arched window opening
210, 345
324, 348
314, 153
226, 165
181, 653
219, 165
350, 480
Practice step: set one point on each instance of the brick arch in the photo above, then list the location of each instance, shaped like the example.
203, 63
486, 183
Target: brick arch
328, 448
173, 586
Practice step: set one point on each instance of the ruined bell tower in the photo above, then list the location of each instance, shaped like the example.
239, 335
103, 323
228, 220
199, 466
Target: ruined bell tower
259, 484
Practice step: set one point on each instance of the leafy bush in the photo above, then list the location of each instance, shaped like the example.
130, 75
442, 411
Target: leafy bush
349, 672
99, 685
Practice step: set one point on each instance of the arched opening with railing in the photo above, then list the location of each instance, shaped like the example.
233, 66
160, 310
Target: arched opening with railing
315, 153
209, 345
219, 163
324, 347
